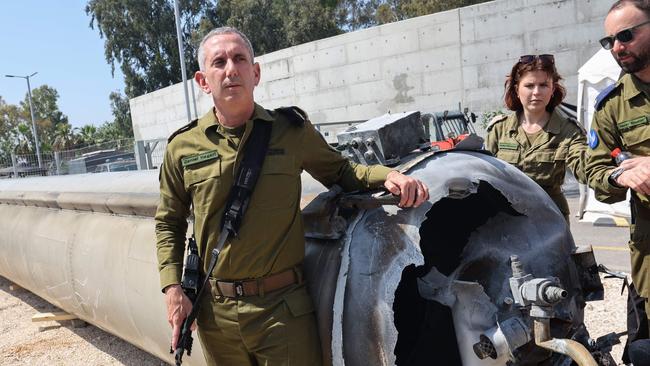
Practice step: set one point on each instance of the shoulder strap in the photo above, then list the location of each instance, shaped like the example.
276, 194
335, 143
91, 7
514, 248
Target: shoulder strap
255, 151
296, 115
182, 129
496, 119
602, 96
577, 124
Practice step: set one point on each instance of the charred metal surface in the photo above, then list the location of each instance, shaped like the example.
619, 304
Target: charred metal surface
477, 217
585, 261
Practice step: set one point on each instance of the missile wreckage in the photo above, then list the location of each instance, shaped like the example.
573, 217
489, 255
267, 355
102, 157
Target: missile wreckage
484, 273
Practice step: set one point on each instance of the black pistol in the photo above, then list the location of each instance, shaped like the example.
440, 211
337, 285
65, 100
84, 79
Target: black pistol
190, 283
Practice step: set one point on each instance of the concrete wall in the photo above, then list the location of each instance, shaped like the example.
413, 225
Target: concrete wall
430, 63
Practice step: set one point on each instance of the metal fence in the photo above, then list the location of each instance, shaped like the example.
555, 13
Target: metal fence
109, 156
150, 153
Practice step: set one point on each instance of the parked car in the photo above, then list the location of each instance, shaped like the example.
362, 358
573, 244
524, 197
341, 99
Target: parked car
116, 166
22, 170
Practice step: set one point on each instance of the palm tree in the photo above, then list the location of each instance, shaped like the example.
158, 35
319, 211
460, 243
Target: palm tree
63, 137
87, 134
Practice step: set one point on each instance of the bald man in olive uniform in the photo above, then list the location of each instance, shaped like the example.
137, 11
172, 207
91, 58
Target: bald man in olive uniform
258, 311
622, 120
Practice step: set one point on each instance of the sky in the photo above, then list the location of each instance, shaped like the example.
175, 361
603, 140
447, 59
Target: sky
53, 38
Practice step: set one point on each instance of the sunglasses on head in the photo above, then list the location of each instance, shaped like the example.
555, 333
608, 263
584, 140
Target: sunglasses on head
624, 36
526, 59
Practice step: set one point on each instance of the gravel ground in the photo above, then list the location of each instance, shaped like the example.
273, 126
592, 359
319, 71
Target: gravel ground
23, 343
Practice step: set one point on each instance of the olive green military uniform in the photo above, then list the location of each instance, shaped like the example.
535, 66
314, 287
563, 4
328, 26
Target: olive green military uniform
622, 120
544, 157
276, 328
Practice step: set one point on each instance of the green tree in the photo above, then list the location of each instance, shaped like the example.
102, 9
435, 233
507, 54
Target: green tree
393, 10
275, 24
87, 135
122, 114
110, 131
64, 137
24, 139
46, 114
356, 14
140, 36
10, 117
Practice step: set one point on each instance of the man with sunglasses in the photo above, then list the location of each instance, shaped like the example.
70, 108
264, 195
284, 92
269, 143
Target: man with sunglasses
622, 120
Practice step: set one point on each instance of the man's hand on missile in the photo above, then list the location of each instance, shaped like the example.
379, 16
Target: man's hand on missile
178, 308
412, 192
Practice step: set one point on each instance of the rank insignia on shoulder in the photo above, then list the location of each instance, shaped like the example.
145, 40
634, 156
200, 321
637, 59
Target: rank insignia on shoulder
593, 139
199, 158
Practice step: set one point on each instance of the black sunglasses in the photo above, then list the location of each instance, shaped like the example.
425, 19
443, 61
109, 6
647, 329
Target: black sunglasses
526, 59
624, 36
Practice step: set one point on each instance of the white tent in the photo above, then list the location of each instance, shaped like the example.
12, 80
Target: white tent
595, 75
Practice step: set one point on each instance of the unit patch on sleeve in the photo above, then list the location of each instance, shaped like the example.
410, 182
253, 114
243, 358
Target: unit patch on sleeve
593, 139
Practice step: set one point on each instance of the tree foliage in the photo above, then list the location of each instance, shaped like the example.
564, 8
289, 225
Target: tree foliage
393, 10
121, 114
274, 24
46, 114
53, 129
140, 35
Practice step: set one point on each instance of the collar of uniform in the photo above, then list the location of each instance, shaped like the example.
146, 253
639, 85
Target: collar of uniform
554, 124
632, 86
209, 120
512, 123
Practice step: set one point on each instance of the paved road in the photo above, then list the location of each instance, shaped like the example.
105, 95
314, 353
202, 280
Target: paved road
609, 243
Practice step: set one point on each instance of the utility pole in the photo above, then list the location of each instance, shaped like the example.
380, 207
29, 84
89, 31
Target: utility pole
181, 52
31, 110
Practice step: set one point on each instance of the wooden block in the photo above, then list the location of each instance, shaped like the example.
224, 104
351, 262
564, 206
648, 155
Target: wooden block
58, 315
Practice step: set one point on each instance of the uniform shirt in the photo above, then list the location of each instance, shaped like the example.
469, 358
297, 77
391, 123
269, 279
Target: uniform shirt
199, 168
561, 144
622, 120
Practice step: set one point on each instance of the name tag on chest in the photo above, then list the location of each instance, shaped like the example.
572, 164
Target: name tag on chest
628, 125
199, 158
508, 146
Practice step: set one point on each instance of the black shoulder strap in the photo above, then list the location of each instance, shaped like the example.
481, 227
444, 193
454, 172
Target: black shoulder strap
254, 153
247, 174
296, 116
182, 129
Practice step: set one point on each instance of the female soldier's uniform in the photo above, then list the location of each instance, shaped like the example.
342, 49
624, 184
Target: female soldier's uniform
543, 157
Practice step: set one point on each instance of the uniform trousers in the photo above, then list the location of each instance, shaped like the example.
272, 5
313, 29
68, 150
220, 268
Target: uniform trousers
273, 329
640, 257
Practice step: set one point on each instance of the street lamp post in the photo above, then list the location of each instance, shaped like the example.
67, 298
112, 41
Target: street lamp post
179, 36
31, 110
